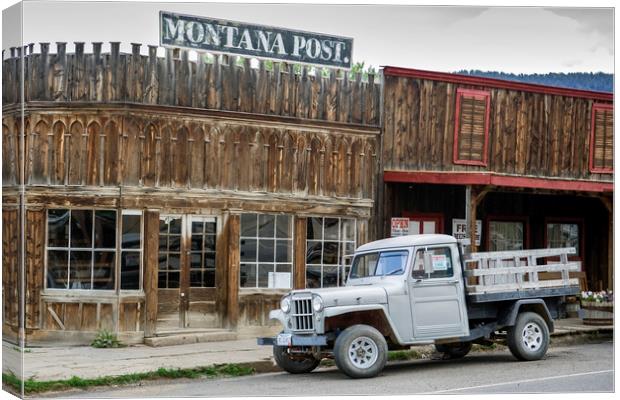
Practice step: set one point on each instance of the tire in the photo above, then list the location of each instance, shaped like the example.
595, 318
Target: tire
294, 365
360, 351
453, 351
528, 339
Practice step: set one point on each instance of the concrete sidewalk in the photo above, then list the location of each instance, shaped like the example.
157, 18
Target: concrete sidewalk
52, 363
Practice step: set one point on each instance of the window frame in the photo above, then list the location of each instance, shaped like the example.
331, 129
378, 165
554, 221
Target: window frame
486, 95
427, 217
342, 274
567, 220
275, 263
595, 108
508, 218
119, 230
418, 249
92, 249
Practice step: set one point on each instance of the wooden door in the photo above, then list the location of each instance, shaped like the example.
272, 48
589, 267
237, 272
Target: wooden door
186, 272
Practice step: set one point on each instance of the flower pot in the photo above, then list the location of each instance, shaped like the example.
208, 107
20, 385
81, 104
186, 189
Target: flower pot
595, 313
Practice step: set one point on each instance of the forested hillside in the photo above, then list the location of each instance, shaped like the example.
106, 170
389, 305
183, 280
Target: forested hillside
599, 81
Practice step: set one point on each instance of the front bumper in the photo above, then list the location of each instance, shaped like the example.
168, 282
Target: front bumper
296, 340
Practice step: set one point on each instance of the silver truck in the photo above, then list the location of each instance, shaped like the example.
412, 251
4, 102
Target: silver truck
419, 290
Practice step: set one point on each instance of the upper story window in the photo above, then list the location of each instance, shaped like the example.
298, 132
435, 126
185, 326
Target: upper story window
471, 127
602, 139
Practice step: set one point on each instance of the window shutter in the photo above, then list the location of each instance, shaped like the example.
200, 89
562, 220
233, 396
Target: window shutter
471, 127
602, 139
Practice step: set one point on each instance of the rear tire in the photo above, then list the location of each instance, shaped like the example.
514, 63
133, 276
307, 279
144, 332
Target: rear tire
528, 339
360, 351
453, 351
294, 365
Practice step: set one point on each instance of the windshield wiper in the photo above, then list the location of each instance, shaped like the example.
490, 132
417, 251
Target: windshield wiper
394, 272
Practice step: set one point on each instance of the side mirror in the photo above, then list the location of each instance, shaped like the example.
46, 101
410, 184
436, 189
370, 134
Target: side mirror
428, 262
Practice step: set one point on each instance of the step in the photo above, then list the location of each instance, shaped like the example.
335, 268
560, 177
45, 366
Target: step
178, 337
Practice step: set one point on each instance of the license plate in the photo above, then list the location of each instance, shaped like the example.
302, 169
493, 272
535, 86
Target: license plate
284, 339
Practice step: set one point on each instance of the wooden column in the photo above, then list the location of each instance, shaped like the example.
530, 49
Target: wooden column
608, 203
299, 268
473, 198
232, 276
150, 260
35, 257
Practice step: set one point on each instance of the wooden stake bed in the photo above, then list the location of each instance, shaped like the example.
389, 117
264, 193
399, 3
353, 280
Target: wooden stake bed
508, 275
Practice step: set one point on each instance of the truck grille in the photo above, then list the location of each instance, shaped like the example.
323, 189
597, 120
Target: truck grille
302, 315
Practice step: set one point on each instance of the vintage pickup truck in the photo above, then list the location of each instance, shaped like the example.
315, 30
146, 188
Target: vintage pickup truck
420, 289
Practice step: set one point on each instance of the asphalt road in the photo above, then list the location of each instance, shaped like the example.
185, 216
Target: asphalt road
567, 369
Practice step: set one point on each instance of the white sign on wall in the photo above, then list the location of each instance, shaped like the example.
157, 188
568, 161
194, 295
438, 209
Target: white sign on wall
400, 227
459, 229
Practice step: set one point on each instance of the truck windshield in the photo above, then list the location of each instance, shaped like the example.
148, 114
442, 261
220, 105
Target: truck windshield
377, 264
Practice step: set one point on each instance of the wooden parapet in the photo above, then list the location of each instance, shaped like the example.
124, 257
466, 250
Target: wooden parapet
505, 271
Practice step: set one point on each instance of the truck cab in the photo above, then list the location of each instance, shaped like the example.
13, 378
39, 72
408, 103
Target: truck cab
406, 291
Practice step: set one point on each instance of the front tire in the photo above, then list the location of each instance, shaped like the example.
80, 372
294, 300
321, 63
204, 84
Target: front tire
294, 365
528, 339
453, 351
360, 351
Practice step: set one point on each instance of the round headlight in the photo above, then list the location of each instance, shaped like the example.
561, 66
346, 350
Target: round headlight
317, 303
285, 304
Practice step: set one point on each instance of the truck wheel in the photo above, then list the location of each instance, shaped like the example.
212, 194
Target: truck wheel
453, 351
528, 339
360, 351
294, 365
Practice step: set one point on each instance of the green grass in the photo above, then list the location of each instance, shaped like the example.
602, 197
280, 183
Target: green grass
26, 350
403, 355
34, 386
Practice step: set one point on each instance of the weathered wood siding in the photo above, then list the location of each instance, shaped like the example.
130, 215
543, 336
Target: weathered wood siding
530, 134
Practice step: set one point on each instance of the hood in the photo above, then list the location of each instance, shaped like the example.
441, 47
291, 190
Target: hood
349, 295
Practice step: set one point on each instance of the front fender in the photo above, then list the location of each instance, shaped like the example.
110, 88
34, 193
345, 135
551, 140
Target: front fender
340, 310
279, 315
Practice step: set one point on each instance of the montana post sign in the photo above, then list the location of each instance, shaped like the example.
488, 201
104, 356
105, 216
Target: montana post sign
230, 37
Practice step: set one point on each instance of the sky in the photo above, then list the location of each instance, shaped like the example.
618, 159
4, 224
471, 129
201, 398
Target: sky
448, 38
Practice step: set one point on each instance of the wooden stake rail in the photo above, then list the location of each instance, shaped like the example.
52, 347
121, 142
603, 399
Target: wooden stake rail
504, 271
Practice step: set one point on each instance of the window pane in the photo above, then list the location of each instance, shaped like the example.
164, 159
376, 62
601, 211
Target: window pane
197, 226
163, 261
284, 226
195, 261
348, 229
263, 274
315, 228
266, 249
130, 270
283, 251
248, 225
563, 235
131, 232
103, 270
330, 276
314, 252
57, 268
174, 243
163, 242
248, 275
505, 235
209, 243
247, 250
331, 229
330, 253
80, 263
442, 264
81, 228
195, 278
209, 278
174, 262
175, 225
313, 277
197, 241
162, 280
209, 260
58, 228
210, 227
266, 226
105, 229
173, 280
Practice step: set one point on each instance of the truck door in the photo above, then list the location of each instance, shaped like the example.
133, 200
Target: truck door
437, 299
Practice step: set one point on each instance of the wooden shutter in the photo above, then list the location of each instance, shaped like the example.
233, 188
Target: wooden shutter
602, 139
471, 127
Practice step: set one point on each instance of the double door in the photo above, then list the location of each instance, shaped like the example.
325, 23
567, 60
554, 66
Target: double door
187, 272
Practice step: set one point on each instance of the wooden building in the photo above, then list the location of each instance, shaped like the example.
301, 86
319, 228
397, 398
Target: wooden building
152, 195
532, 164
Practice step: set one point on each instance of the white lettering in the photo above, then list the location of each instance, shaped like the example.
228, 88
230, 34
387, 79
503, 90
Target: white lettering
174, 32
279, 43
326, 54
263, 40
313, 48
194, 31
299, 42
339, 47
212, 35
231, 31
246, 41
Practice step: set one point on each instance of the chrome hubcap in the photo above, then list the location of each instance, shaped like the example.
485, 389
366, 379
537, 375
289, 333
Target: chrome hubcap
532, 336
363, 352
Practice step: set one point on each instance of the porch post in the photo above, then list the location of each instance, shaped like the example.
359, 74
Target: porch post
232, 275
150, 257
301, 233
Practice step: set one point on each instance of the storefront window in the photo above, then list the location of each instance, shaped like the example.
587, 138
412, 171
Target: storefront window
131, 250
81, 249
266, 251
506, 235
563, 235
169, 272
202, 255
329, 247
